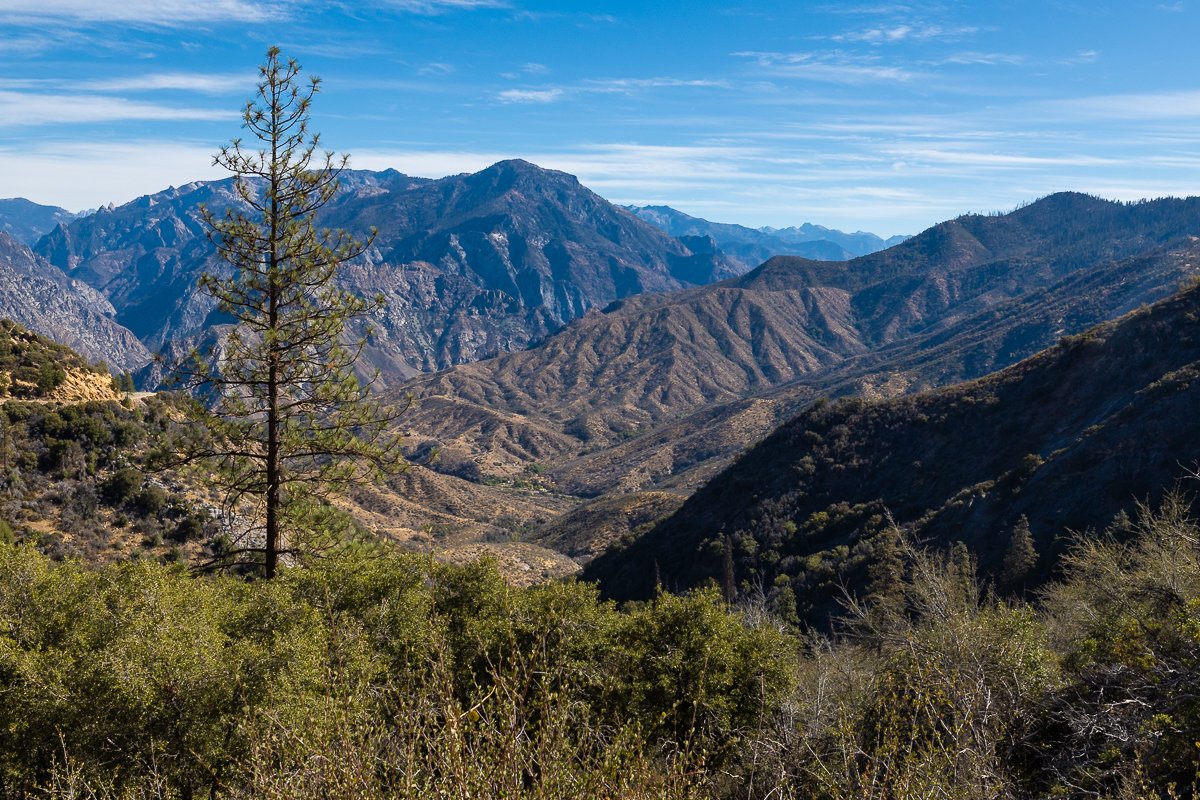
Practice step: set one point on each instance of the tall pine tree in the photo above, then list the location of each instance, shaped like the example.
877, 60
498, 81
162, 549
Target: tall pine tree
288, 423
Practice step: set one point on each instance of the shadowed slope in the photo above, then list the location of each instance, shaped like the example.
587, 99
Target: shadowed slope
1067, 438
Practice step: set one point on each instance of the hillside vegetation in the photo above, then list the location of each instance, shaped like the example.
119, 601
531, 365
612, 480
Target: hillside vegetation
1068, 440
398, 678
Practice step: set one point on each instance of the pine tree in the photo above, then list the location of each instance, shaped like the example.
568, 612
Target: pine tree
1020, 559
288, 423
728, 582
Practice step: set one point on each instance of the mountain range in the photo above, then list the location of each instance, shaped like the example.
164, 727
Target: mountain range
469, 266
39, 296
559, 348
27, 221
752, 246
659, 391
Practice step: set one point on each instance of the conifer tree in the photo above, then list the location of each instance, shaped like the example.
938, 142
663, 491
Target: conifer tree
728, 583
289, 422
1020, 558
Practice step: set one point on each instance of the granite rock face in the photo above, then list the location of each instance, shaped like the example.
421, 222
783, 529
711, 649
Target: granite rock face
39, 296
469, 266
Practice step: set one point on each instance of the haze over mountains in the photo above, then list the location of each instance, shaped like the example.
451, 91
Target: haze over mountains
752, 246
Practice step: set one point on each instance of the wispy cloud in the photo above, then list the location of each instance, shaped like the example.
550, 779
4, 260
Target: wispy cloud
553, 94
146, 12
991, 160
624, 84
27, 43
1147, 106
1011, 59
19, 109
177, 13
174, 81
866, 9
833, 67
904, 32
581, 19
437, 68
442, 6
529, 68
530, 95
1082, 57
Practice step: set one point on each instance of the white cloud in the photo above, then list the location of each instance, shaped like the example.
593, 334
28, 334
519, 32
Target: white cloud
27, 43
19, 109
176, 13
437, 68
1082, 57
442, 6
972, 158
148, 12
984, 58
620, 84
530, 95
174, 81
78, 176
903, 32
832, 67
1147, 106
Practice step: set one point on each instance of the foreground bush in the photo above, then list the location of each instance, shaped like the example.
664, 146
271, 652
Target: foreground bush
388, 677
396, 677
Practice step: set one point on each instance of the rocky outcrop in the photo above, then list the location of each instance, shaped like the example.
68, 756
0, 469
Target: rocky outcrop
43, 299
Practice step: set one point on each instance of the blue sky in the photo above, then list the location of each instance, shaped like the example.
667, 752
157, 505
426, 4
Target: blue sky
879, 116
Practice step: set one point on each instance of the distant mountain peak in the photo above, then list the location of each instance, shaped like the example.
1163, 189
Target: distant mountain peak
27, 221
753, 246
471, 265
505, 174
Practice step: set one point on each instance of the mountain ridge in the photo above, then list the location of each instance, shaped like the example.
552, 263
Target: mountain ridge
469, 265
755, 245
946, 305
1069, 438
43, 299
27, 221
